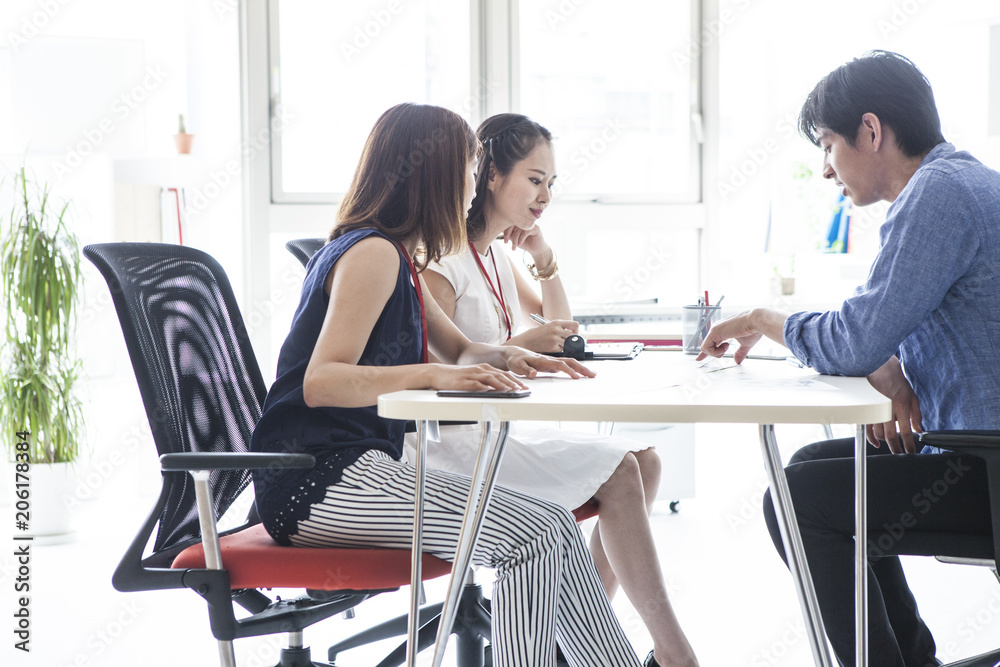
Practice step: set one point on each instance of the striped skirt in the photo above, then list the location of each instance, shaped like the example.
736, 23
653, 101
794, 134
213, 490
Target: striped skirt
546, 588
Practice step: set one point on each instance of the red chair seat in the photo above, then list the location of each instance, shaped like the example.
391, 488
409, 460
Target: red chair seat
250, 557
250, 554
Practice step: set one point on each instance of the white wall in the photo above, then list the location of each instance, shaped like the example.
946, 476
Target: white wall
89, 97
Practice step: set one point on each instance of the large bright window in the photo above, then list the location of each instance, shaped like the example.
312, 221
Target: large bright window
616, 82
336, 66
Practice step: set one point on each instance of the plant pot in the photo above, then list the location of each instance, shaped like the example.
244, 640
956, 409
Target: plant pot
183, 141
781, 286
50, 520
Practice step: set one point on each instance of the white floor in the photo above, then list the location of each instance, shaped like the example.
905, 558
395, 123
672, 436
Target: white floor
731, 591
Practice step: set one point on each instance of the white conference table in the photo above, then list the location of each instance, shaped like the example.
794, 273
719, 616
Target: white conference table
668, 387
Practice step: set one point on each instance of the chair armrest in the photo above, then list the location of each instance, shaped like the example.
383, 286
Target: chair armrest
985, 444
186, 461
199, 464
985, 437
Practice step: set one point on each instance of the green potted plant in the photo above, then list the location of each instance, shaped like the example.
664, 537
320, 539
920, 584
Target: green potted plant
40, 413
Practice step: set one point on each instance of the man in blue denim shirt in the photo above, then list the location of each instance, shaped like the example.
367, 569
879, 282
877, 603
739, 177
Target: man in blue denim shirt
923, 329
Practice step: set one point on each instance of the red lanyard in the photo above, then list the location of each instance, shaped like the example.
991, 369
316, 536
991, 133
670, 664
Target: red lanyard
498, 290
420, 299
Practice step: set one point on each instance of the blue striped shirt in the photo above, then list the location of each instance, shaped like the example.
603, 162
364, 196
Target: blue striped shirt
932, 297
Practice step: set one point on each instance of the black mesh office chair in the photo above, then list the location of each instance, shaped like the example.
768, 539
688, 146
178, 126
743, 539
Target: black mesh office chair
966, 550
960, 548
985, 445
202, 391
304, 249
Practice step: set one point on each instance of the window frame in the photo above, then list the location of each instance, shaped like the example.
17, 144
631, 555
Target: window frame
495, 58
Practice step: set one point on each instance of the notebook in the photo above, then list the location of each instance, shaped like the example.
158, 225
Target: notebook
613, 350
577, 348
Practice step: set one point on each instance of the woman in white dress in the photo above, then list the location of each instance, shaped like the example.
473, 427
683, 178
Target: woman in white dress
488, 301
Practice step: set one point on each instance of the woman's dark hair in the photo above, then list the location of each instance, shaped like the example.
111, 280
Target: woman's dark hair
506, 139
879, 82
411, 179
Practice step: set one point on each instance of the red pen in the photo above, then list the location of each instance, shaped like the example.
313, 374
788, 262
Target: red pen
706, 298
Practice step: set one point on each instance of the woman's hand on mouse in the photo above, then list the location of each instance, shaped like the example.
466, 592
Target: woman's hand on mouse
546, 337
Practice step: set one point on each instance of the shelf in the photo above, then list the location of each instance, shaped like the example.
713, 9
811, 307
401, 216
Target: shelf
179, 171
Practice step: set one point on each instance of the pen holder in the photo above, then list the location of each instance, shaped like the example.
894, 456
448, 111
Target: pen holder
695, 324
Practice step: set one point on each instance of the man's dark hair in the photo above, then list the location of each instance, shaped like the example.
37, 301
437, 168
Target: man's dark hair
879, 82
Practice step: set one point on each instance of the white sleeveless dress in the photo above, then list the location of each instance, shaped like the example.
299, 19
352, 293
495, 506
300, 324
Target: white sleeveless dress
566, 467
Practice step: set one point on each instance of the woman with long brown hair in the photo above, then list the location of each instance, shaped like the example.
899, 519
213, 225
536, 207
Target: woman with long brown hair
363, 328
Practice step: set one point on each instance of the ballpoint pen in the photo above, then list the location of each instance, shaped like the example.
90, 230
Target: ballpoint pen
538, 318
706, 318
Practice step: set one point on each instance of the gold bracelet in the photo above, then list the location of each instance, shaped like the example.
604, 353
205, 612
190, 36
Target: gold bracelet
548, 273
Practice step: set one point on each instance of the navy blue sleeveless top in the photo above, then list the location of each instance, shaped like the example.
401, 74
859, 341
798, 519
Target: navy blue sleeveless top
337, 437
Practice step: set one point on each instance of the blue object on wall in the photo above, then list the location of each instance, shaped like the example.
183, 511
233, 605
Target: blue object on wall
840, 227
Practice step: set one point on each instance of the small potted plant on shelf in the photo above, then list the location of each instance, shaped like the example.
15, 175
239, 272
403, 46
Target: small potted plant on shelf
182, 139
783, 280
40, 413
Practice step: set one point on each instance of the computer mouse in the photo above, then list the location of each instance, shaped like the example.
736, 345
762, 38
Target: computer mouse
575, 346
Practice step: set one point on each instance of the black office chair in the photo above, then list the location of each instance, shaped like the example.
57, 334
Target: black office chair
963, 550
958, 547
202, 391
985, 445
304, 249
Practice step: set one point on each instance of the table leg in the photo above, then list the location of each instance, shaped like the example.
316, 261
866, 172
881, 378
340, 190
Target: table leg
860, 549
478, 497
413, 622
794, 551
472, 522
